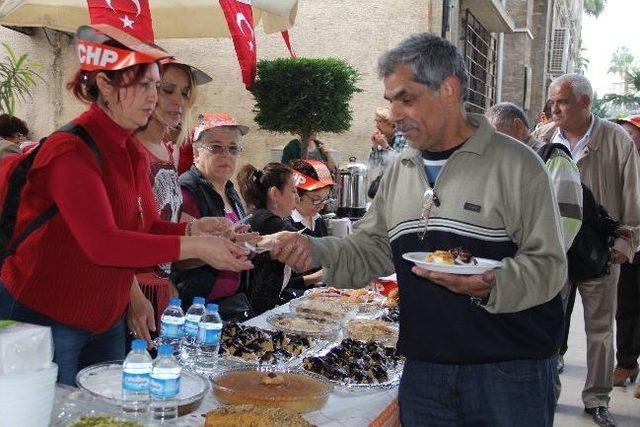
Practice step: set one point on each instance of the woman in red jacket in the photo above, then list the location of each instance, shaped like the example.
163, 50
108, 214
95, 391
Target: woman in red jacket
76, 273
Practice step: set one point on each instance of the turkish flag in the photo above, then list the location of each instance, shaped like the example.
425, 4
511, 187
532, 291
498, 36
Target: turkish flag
131, 16
240, 21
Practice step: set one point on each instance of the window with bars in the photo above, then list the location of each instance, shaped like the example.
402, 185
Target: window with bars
479, 48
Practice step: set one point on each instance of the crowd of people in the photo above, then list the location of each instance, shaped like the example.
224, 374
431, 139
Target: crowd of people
150, 216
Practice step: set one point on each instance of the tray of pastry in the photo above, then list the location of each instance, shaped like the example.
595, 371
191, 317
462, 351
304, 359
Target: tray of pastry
300, 324
249, 345
355, 366
324, 308
365, 301
378, 330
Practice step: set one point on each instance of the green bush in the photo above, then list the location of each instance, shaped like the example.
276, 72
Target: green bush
304, 95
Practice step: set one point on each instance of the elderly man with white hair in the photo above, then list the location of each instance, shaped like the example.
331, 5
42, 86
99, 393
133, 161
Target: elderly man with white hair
609, 166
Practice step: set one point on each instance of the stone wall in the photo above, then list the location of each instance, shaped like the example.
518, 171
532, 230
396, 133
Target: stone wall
357, 32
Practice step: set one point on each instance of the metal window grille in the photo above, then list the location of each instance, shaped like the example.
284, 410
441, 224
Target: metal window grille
479, 48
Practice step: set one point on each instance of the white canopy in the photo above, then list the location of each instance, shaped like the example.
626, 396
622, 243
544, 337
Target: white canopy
171, 18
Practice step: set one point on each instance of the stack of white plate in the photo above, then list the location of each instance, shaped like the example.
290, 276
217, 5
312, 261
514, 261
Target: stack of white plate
26, 399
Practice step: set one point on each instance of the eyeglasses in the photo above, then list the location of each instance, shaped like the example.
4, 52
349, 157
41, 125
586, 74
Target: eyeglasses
233, 150
427, 203
318, 202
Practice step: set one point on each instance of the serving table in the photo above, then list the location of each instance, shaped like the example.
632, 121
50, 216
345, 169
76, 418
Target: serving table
376, 409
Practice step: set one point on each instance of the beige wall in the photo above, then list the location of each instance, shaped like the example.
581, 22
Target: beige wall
354, 31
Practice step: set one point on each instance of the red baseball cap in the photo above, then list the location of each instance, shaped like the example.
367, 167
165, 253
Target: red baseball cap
94, 54
634, 120
305, 182
208, 121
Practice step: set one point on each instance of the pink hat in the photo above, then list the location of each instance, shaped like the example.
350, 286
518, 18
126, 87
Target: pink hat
208, 121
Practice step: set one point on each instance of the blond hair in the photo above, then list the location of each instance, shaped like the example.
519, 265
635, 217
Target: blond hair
384, 113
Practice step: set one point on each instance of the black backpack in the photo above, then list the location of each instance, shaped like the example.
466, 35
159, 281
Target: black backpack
16, 178
590, 252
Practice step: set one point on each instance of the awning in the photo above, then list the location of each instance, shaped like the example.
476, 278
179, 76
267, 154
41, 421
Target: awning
171, 18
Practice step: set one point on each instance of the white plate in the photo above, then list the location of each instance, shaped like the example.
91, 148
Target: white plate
484, 264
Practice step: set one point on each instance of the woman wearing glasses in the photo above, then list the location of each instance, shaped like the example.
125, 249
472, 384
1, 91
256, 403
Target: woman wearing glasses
271, 194
176, 95
314, 184
207, 190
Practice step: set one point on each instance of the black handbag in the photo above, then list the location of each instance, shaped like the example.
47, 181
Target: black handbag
235, 308
373, 187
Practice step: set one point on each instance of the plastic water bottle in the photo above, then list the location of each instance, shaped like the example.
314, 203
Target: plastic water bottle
136, 371
192, 319
172, 324
209, 331
165, 384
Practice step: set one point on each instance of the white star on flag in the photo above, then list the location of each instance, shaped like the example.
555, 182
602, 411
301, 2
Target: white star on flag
126, 22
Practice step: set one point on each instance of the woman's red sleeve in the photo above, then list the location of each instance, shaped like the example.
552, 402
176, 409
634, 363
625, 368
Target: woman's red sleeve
86, 209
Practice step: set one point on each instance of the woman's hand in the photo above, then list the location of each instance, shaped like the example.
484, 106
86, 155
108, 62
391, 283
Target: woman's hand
222, 254
140, 315
210, 225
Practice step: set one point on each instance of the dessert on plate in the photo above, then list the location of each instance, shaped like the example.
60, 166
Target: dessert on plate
253, 416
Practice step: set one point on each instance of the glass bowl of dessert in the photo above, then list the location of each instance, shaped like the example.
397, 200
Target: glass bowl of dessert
291, 389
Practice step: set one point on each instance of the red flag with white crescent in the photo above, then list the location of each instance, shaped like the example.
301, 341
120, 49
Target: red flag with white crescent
240, 21
130, 16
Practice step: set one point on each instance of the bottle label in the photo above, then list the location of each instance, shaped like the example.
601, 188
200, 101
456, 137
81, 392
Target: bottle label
209, 336
135, 382
171, 330
191, 328
164, 388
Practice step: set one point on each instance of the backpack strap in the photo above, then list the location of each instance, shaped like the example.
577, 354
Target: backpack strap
17, 180
545, 151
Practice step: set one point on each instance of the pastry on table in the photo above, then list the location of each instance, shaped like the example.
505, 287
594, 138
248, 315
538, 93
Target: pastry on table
253, 416
373, 330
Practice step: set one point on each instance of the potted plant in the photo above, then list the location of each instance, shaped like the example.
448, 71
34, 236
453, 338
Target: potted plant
304, 96
17, 77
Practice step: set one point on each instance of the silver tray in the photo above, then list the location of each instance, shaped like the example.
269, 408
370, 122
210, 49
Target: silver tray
330, 333
349, 387
335, 309
317, 346
104, 381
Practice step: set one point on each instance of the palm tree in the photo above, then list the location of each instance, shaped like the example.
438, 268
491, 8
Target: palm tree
594, 7
17, 77
621, 62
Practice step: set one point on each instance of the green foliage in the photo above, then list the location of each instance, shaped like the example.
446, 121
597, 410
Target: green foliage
17, 77
304, 95
599, 107
621, 61
594, 7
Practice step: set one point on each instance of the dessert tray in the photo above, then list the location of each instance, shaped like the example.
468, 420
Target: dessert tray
292, 389
252, 346
309, 326
354, 366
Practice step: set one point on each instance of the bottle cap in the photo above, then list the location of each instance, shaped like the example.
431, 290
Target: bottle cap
212, 307
139, 344
175, 301
198, 300
165, 350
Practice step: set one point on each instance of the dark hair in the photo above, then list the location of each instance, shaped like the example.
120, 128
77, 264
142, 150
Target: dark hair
83, 83
10, 125
305, 168
547, 108
431, 59
254, 184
